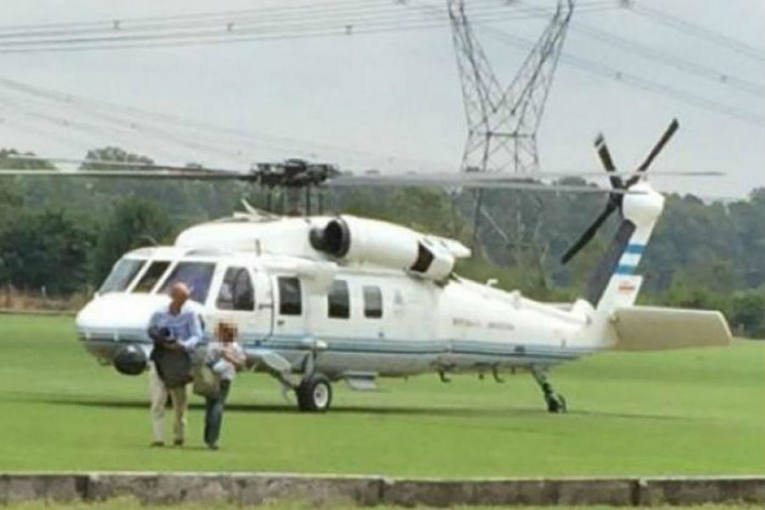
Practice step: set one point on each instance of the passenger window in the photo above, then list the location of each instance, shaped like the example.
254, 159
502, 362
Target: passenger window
236, 292
151, 276
339, 300
290, 299
373, 303
196, 276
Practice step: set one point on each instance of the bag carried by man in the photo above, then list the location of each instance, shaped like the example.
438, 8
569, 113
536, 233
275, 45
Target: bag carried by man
173, 365
206, 383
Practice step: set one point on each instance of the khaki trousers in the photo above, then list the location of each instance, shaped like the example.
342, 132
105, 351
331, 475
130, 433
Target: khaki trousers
158, 393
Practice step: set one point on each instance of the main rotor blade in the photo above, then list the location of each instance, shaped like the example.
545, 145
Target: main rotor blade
232, 171
118, 163
608, 163
655, 151
465, 180
589, 233
191, 174
453, 180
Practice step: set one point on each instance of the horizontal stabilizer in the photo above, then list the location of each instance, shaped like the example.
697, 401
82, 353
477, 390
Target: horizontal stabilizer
647, 328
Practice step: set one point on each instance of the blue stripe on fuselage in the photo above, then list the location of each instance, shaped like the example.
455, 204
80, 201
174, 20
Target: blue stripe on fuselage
405, 348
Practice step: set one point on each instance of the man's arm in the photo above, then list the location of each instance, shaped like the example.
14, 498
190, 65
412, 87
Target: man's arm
154, 319
153, 327
195, 327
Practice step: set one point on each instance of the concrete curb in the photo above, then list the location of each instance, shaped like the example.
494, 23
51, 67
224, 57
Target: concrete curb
259, 488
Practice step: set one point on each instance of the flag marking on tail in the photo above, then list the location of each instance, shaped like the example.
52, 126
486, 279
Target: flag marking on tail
630, 259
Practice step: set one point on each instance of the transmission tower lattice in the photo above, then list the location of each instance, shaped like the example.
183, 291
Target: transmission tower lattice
503, 122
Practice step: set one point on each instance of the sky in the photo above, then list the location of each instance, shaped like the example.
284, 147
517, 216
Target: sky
392, 101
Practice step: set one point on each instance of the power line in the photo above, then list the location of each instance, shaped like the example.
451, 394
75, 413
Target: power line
236, 21
662, 57
86, 137
118, 129
259, 29
699, 31
135, 121
636, 81
221, 18
378, 24
177, 17
658, 56
309, 20
632, 80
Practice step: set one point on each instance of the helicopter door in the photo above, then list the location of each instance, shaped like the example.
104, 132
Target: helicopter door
246, 302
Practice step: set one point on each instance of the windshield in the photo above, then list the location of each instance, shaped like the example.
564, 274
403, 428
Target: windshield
122, 274
196, 275
151, 276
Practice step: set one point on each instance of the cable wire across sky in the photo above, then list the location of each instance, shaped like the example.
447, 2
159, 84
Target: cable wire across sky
343, 18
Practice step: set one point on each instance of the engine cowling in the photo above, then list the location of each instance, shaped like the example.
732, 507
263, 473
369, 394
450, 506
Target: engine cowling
380, 243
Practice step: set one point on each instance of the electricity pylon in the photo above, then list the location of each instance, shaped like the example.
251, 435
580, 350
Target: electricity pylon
502, 122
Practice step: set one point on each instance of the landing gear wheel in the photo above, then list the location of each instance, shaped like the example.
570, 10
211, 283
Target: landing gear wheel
314, 394
556, 403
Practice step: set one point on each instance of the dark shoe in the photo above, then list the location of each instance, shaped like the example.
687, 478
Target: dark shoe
157, 444
212, 446
178, 442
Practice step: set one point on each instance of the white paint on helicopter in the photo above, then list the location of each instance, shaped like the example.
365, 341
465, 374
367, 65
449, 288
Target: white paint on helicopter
322, 299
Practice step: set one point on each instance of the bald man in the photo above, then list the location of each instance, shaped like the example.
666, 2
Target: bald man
176, 330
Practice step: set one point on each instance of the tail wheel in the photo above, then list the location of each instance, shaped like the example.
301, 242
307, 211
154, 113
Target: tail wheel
556, 403
314, 394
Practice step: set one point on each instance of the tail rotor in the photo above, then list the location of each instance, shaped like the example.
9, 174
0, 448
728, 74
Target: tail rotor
615, 199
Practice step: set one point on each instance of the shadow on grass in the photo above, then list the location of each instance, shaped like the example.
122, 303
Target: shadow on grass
454, 412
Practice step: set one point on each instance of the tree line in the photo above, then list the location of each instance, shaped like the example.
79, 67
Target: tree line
65, 234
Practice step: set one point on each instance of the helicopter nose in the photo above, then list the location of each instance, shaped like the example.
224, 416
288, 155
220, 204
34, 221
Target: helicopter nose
118, 317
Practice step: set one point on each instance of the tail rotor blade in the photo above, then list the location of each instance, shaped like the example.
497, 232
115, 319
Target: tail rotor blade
590, 232
656, 150
608, 163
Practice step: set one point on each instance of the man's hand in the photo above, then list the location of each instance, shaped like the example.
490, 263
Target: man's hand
233, 358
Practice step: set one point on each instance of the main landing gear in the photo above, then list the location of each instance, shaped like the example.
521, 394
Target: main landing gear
555, 401
314, 393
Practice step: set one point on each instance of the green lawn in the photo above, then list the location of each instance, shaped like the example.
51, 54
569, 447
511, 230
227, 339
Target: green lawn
689, 412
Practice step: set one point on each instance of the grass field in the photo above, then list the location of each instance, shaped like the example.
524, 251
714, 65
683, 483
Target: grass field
688, 412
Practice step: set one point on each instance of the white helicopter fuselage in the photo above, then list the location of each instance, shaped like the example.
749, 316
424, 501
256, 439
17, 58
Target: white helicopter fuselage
382, 321
354, 299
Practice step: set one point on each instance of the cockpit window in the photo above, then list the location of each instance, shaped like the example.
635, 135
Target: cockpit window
236, 291
151, 276
122, 274
196, 276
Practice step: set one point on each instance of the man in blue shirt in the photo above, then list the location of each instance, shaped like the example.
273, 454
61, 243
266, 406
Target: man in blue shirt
176, 329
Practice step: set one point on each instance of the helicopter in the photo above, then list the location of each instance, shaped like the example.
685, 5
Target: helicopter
321, 299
